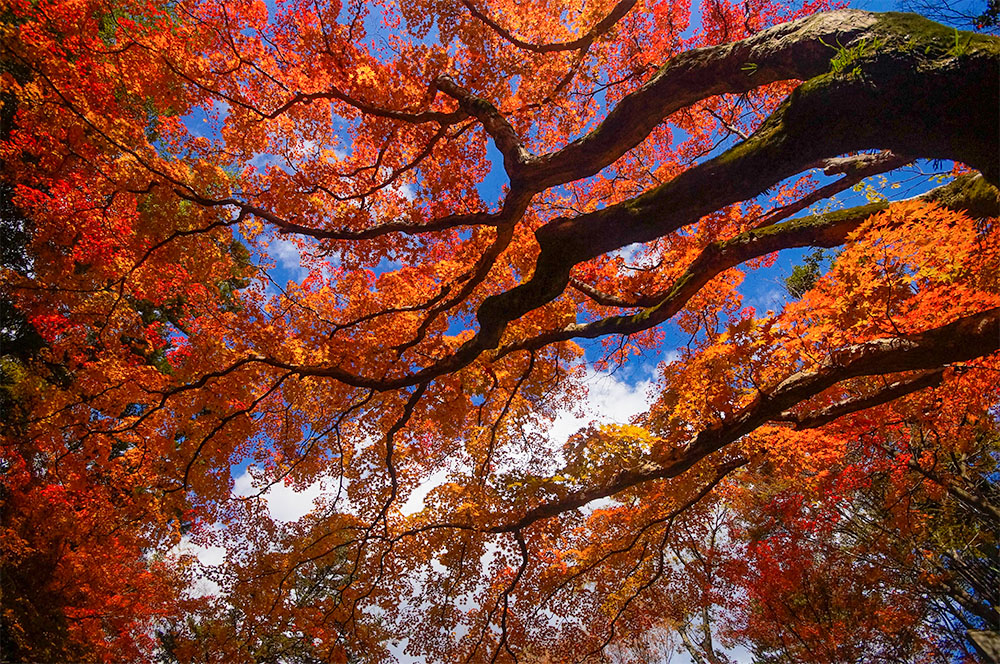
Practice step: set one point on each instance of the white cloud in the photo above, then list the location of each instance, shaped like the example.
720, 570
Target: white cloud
285, 253
298, 260
261, 160
771, 299
283, 502
312, 149
415, 502
610, 399
208, 556
630, 254
407, 191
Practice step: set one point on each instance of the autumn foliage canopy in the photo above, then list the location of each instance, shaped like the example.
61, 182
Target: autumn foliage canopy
490, 204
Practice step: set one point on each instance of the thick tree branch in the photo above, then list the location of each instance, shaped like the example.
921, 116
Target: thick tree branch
795, 50
497, 126
967, 193
965, 339
933, 112
891, 392
855, 169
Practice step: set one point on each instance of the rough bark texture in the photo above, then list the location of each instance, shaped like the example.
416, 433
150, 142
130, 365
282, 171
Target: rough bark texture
895, 81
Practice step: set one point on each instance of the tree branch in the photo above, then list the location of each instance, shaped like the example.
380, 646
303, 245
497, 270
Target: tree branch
497, 126
584, 42
967, 193
967, 338
794, 50
850, 405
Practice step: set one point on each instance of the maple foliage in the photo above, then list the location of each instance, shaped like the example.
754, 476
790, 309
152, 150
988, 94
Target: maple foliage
482, 198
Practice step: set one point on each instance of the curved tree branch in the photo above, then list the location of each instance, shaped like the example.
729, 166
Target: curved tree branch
967, 193
616, 14
795, 50
965, 339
